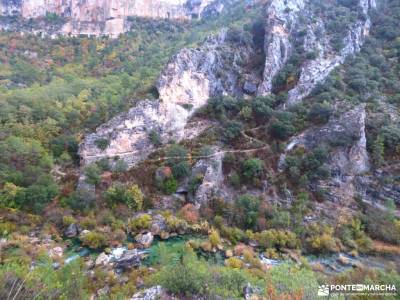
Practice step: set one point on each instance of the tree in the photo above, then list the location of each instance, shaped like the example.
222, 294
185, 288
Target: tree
320, 113
93, 173
247, 207
8, 195
281, 130
120, 166
378, 151
132, 196
177, 160
214, 238
232, 130
299, 208
252, 168
23, 161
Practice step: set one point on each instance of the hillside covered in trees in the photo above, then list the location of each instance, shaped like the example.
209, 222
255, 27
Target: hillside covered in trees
250, 152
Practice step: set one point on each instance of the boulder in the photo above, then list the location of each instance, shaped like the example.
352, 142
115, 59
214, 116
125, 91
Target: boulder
72, 231
129, 260
155, 292
343, 260
250, 88
145, 239
252, 293
229, 253
83, 233
90, 264
56, 252
158, 225
164, 235
102, 260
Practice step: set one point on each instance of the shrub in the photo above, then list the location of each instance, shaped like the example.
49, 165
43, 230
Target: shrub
102, 144
320, 113
301, 282
276, 239
234, 179
194, 183
188, 276
67, 282
94, 240
252, 168
81, 200
170, 185
175, 224
92, 173
232, 131
214, 238
141, 222
155, 138
391, 137
352, 235
247, 210
281, 130
177, 160
8, 195
234, 263
132, 196
381, 226
320, 239
68, 220
6, 228
190, 213
181, 169
192, 276
120, 166
103, 164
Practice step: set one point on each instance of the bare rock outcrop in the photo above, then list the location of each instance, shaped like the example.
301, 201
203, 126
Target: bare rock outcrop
316, 70
282, 18
209, 169
216, 68
348, 157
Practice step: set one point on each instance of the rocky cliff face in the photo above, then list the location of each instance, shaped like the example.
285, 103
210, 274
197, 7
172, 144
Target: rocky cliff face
187, 82
348, 157
97, 17
223, 66
282, 20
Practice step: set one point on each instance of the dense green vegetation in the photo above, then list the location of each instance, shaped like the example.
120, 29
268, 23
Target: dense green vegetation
54, 90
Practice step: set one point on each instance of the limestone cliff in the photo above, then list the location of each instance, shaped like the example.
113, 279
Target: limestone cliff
348, 157
186, 83
102, 17
282, 20
224, 65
